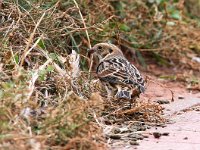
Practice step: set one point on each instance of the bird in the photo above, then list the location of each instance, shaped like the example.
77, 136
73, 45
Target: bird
121, 79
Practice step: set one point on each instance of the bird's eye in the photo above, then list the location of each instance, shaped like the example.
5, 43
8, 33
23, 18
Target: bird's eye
99, 47
110, 50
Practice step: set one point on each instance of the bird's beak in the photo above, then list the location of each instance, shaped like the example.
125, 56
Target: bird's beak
91, 51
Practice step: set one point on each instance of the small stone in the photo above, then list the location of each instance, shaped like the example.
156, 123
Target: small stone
133, 135
179, 113
134, 139
165, 134
124, 130
145, 136
115, 136
148, 127
157, 135
185, 138
134, 143
142, 121
133, 128
197, 109
107, 122
163, 101
161, 125
136, 136
180, 97
116, 130
140, 137
141, 128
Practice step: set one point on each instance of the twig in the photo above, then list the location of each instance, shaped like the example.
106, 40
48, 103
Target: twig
84, 25
86, 32
57, 67
35, 75
9, 28
26, 51
91, 63
97, 121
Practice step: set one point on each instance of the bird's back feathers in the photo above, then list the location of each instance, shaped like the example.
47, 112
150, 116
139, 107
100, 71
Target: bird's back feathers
118, 70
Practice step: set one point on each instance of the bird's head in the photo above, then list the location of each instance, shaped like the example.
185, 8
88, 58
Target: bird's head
105, 50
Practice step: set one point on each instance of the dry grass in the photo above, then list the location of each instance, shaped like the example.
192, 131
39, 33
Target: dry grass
146, 112
43, 104
38, 106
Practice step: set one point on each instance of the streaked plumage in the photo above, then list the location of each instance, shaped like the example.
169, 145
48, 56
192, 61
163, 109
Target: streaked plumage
120, 77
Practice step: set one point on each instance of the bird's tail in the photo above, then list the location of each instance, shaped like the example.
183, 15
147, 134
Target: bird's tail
123, 94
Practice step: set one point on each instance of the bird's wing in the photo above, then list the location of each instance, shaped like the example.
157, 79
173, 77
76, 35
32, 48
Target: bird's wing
120, 71
133, 72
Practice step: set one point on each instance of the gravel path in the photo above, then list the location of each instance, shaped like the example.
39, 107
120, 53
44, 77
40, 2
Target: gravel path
183, 131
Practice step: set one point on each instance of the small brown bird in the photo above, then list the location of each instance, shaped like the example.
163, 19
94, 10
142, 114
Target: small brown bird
121, 79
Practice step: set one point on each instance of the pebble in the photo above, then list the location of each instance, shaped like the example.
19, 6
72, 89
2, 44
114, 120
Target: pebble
133, 135
163, 101
145, 136
179, 113
141, 137
165, 134
180, 97
161, 125
197, 109
148, 127
124, 130
115, 136
136, 136
116, 130
107, 122
142, 121
137, 126
133, 130
133, 139
134, 143
157, 135
141, 128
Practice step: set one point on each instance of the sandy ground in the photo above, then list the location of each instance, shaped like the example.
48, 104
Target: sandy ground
184, 113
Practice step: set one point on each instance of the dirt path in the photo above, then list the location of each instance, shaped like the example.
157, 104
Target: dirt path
183, 133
